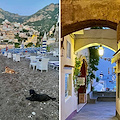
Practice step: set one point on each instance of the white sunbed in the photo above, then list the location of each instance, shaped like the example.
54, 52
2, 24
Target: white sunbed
54, 64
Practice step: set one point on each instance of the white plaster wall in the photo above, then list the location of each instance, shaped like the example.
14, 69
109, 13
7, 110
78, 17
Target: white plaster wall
68, 105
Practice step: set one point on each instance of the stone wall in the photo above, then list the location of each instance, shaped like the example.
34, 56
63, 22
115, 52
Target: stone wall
101, 12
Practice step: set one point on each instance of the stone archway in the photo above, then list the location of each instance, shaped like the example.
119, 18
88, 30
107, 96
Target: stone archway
68, 29
85, 13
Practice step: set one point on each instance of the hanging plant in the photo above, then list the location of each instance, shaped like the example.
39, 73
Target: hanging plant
93, 63
76, 82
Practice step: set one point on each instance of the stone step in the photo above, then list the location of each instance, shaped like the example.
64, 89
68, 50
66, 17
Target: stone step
106, 99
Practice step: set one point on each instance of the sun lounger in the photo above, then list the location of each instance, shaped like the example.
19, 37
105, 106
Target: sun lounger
56, 65
53, 64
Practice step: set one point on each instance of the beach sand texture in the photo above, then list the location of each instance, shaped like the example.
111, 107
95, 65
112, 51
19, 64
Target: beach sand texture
14, 88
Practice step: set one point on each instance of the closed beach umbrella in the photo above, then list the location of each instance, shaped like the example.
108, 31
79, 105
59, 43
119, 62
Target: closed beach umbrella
13, 48
44, 46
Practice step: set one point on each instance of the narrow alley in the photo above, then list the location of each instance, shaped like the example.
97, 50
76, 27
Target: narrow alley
98, 111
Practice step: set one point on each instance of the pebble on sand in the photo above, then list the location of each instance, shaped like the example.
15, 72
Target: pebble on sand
33, 113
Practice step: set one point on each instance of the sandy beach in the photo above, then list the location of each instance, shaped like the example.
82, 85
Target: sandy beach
14, 88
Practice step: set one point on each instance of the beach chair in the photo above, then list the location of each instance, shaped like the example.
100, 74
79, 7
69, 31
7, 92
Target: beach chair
9, 55
33, 62
17, 58
14, 57
55, 54
38, 53
26, 54
42, 65
56, 66
52, 64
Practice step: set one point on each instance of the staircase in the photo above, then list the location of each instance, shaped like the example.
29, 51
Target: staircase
106, 96
90, 98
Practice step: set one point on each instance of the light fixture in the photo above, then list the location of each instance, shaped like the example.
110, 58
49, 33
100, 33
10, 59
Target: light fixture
101, 51
101, 75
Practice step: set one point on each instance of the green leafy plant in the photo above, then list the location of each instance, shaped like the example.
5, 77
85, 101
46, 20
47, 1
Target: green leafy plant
97, 79
48, 48
92, 89
17, 45
10, 42
5, 41
37, 44
24, 30
93, 62
88, 80
29, 44
76, 82
19, 38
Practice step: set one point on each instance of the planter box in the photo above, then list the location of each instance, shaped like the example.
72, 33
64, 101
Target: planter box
82, 98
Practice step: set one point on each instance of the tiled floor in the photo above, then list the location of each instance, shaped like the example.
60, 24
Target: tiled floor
98, 111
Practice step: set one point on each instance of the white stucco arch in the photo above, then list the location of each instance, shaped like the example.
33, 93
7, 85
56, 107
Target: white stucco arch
95, 37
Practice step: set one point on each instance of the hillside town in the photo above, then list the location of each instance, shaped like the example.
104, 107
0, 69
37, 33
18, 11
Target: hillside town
14, 34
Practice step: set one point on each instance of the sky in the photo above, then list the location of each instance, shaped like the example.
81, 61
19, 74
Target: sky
104, 64
25, 7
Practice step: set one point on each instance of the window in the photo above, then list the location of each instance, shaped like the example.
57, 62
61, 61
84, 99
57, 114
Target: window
68, 85
68, 50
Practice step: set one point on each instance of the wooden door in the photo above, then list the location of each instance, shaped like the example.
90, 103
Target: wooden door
82, 89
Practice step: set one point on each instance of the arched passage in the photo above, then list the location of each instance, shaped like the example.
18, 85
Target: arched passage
94, 37
94, 44
68, 29
78, 43
76, 15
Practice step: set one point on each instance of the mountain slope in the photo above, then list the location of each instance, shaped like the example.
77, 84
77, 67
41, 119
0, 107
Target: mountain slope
44, 19
11, 16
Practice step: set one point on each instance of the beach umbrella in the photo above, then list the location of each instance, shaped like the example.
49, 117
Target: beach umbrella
44, 46
33, 48
13, 47
22, 47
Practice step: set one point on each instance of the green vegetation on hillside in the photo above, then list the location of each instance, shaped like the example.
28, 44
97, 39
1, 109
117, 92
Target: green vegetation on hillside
47, 22
1, 20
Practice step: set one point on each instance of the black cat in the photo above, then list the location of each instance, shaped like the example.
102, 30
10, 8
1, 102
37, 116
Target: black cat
38, 97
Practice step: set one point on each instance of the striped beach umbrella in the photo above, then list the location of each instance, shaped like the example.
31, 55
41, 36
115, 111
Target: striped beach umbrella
44, 46
22, 47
